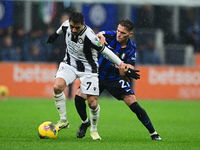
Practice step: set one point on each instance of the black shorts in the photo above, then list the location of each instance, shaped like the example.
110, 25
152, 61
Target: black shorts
116, 88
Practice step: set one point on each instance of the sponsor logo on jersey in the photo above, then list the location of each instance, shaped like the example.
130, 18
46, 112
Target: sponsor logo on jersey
111, 48
133, 58
72, 47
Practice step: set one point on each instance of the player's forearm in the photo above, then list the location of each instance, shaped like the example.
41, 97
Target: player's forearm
59, 31
130, 66
54, 36
111, 55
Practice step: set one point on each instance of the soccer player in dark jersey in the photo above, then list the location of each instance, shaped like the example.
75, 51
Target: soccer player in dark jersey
110, 79
80, 61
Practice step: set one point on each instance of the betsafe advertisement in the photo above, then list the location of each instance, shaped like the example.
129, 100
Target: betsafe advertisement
156, 82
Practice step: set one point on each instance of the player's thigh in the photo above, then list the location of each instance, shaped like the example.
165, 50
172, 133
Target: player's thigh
89, 84
66, 72
119, 88
78, 92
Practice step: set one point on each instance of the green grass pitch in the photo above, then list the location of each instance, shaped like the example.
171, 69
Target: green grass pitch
177, 122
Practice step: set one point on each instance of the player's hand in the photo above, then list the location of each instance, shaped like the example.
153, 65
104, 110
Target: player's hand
127, 73
52, 38
102, 39
123, 68
131, 73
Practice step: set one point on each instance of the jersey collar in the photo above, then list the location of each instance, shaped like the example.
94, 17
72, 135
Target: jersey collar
82, 31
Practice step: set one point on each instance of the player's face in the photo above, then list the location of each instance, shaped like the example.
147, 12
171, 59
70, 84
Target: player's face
123, 34
76, 27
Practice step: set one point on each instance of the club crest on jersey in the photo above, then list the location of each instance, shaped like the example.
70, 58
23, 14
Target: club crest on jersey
80, 41
123, 56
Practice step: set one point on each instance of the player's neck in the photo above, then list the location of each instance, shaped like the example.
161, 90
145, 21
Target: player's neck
124, 44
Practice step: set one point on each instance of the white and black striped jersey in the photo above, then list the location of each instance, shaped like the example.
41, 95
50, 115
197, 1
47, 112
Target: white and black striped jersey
81, 50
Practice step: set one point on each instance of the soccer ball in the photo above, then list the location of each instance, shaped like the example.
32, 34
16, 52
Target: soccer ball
4, 90
47, 130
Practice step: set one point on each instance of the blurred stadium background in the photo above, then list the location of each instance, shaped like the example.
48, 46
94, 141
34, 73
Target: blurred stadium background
167, 35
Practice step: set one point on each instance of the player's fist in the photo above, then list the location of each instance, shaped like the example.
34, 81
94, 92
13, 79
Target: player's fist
52, 38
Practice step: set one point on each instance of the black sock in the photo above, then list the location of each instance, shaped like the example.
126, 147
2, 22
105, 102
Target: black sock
142, 116
81, 107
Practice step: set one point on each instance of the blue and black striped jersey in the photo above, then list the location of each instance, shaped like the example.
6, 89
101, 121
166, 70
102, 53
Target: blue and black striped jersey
107, 69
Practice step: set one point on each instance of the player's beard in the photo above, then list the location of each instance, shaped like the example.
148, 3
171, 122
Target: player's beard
74, 33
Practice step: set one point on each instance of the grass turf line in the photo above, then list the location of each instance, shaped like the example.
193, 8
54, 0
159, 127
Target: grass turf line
177, 122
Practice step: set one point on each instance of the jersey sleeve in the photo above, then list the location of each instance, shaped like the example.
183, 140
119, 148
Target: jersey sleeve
65, 24
111, 56
96, 44
108, 34
131, 59
95, 41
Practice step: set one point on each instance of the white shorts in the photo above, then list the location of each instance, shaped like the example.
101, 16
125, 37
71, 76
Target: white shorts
89, 81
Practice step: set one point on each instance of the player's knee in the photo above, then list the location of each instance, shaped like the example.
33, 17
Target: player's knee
129, 99
92, 102
92, 106
59, 85
57, 88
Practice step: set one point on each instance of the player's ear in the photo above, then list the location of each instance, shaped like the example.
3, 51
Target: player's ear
83, 23
131, 33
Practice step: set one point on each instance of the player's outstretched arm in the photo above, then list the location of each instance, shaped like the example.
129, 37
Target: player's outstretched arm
52, 38
127, 71
111, 56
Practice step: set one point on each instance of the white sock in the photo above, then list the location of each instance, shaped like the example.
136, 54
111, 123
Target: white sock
153, 133
85, 121
94, 116
60, 105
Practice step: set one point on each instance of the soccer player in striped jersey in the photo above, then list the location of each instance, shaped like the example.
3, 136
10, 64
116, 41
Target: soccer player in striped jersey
115, 81
80, 61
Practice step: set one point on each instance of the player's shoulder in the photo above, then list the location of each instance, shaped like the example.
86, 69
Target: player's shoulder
90, 33
132, 45
66, 23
